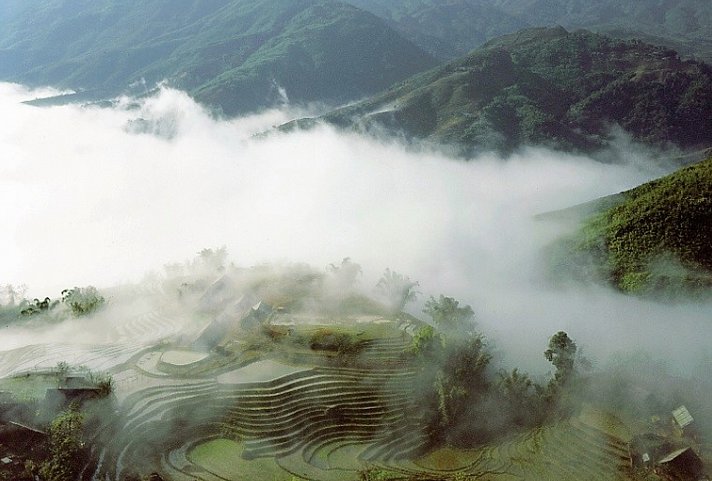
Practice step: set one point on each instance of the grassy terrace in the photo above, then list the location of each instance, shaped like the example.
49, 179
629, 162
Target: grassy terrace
222, 457
29, 387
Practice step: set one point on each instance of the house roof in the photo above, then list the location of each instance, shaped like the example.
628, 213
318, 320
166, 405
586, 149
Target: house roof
682, 416
671, 456
76, 382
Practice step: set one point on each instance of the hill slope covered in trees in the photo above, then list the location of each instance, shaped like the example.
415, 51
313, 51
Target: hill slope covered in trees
445, 29
549, 87
655, 239
238, 55
450, 29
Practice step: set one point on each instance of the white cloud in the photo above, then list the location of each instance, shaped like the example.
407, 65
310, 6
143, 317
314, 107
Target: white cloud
87, 200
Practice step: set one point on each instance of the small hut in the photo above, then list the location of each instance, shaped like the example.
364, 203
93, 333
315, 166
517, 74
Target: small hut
72, 389
682, 417
256, 316
681, 464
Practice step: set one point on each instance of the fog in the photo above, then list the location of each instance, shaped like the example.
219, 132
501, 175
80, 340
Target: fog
102, 196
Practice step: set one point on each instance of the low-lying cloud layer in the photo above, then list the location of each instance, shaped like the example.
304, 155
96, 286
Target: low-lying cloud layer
100, 196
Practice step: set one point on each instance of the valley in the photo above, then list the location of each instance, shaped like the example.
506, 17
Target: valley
540, 169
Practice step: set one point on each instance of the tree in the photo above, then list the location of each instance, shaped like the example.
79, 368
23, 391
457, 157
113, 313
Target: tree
37, 306
426, 344
568, 384
83, 300
520, 399
344, 274
449, 316
397, 289
213, 260
11, 295
65, 446
457, 376
562, 354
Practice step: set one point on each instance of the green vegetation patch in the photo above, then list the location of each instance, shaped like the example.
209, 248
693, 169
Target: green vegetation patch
339, 336
547, 86
656, 241
236, 55
29, 386
447, 458
223, 457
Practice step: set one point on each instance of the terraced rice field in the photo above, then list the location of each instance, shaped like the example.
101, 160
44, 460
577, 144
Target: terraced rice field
46, 356
310, 422
575, 450
182, 357
222, 458
154, 325
260, 371
111, 348
276, 420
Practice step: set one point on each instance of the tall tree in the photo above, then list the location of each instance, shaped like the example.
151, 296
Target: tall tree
449, 317
345, 274
562, 354
397, 289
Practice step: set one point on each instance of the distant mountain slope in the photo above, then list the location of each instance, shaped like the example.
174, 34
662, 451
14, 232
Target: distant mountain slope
685, 25
445, 29
451, 28
655, 239
549, 87
239, 55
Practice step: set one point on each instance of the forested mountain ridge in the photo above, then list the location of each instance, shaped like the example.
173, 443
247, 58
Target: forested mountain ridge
237, 55
685, 25
445, 29
547, 86
449, 29
653, 240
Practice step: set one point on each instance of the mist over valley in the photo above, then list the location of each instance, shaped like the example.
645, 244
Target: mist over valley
220, 261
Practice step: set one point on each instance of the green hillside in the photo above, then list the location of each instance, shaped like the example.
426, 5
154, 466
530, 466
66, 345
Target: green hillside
549, 87
445, 29
234, 54
450, 29
653, 240
685, 25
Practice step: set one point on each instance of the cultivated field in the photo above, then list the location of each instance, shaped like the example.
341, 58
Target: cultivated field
282, 408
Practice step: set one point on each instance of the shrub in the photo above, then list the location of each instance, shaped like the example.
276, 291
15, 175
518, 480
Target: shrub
330, 340
83, 300
65, 446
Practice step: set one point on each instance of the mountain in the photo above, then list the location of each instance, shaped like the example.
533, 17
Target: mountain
685, 25
449, 29
547, 86
445, 29
239, 55
653, 240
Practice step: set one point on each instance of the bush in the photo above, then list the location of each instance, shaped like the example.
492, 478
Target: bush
103, 381
66, 447
329, 340
83, 300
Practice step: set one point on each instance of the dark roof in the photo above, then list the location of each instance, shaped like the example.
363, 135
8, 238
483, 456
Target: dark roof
76, 382
675, 454
27, 428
